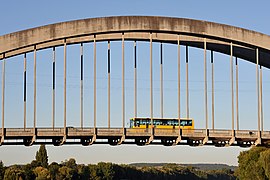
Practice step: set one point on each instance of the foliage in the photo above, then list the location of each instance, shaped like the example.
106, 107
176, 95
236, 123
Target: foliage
83, 172
28, 171
14, 173
70, 170
2, 170
42, 173
252, 164
53, 169
42, 157
105, 170
264, 161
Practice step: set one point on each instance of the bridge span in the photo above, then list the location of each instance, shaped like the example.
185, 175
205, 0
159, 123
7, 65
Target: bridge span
235, 43
117, 136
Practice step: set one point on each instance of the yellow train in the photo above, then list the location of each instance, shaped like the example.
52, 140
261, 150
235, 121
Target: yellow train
166, 123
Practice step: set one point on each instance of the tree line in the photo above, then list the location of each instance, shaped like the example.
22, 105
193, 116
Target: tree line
254, 164
40, 169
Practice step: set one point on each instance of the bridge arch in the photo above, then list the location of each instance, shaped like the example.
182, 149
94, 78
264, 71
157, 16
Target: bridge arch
164, 29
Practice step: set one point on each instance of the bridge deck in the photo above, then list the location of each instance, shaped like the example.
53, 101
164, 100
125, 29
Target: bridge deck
113, 136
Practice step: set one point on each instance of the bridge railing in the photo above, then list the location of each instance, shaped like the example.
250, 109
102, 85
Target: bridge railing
19, 132
138, 132
246, 134
167, 132
193, 132
220, 133
80, 131
50, 131
110, 131
266, 134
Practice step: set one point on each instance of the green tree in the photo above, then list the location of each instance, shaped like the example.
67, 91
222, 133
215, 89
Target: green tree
42, 173
105, 170
66, 173
41, 156
53, 168
83, 172
28, 172
264, 161
93, 172
248, 165
2, 170
68, 170
14, 173
71, 163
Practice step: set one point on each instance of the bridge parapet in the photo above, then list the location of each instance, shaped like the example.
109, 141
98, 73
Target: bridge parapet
246, 134
220, 133
49, 132
14, 132
80, 131
138, 132
266, 134
110, 132
193, 132
167, 132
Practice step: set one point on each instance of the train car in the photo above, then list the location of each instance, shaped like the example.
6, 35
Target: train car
165, 123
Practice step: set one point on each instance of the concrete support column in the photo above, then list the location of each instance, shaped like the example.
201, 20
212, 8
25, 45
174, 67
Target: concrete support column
258, 92
205, 87
187, 87
237, 91
179, 78
81, 85
213, 91
109, 85
3, 97
151, 81
161, 81
135, 79
35, 87
53, 88
123, 81
24, 93
65, 88
95, 84
261, 97
232, 87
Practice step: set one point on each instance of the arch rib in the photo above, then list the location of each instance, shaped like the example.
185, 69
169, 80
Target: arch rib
134, 26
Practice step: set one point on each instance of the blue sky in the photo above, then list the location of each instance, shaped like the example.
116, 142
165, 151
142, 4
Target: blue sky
20, 15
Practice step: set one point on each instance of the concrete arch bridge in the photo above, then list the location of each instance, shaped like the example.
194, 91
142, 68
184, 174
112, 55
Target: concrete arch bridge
233, 42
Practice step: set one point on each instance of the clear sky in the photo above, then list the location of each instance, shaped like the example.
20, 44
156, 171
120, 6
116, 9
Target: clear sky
20, 15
